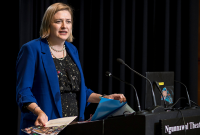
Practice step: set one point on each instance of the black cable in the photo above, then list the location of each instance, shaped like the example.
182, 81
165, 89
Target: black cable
170, 106
183, 120
194, 103
103, 128
188, 97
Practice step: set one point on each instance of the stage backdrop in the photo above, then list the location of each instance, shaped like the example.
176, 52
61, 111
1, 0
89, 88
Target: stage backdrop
156, 35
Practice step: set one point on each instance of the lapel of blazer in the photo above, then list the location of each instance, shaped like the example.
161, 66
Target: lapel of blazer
72, 54
51, 73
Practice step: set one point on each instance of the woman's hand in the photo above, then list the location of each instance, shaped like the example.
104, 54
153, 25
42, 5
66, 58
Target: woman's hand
119, 97
41, 119
94, 97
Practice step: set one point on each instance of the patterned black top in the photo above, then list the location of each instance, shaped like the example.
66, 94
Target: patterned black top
69, 82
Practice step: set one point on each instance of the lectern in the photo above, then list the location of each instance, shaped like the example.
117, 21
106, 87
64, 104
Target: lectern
148, 124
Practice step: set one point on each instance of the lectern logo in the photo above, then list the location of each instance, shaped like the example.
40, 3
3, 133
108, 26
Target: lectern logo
188, 126
170, 130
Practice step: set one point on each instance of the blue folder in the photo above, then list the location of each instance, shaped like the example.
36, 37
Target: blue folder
106, 107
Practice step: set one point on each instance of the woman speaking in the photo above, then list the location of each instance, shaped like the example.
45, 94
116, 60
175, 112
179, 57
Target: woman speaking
50, 82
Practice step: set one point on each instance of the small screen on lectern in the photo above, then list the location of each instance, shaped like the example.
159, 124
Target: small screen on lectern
165, 81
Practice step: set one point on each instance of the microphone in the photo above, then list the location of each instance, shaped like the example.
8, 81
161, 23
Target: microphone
188, 97
157, 85
138, 102
155, 108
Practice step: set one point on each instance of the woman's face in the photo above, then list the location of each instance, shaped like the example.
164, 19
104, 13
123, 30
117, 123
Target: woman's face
61, 25
164, 93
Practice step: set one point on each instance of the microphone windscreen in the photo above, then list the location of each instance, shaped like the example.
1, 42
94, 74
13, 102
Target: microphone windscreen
120, 61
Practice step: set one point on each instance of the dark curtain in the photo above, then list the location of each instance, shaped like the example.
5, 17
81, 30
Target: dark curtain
149, 35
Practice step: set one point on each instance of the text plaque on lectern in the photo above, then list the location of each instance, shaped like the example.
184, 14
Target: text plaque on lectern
177, 126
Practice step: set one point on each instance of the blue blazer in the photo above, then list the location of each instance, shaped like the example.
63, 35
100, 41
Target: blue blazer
37, 81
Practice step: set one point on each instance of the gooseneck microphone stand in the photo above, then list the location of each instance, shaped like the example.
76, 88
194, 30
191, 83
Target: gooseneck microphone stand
155, 107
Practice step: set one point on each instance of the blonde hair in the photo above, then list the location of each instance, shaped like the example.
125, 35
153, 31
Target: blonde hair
47, 18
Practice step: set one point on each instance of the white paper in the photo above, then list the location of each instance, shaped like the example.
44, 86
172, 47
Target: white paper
60, 121
126, 109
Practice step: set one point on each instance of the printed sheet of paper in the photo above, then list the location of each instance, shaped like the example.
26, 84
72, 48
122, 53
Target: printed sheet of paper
126, 109
60, 121
53, 127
